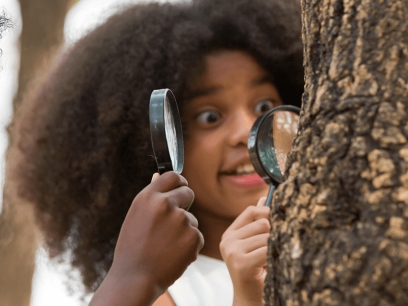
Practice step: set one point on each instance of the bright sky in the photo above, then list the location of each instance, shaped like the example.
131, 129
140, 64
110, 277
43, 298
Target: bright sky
50, 279
10, 61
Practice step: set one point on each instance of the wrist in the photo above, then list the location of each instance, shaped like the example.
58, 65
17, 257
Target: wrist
126, 290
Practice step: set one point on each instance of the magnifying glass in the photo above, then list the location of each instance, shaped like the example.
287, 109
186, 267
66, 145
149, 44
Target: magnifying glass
166, 131
269, 143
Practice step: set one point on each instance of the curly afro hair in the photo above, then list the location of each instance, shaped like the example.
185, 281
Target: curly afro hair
84, 132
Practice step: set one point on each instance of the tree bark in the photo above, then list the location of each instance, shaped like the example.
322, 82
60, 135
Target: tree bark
340, 219
42, 33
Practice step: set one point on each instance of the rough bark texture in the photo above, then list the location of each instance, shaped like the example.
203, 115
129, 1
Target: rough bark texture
43, 22
340, 220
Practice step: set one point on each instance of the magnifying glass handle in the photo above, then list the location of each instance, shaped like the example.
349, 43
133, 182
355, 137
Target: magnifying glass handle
269, 198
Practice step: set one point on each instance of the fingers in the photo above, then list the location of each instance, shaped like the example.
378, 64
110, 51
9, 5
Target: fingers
201, 242
193, 235
258, 257
251, 214
181, 197
193, 220
261, 226
155, 176
248, 238
167, 181
261, 201
253, 243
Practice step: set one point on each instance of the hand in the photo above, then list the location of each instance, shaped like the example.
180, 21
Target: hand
157, 242
159, 237
244, 249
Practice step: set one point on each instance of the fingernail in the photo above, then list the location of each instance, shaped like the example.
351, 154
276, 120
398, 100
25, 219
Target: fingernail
155, 176
261, 201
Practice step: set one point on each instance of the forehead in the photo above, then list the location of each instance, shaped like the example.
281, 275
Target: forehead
226, 70
230, 66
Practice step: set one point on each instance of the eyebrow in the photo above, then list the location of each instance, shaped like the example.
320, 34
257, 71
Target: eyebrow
262, 80
201, 92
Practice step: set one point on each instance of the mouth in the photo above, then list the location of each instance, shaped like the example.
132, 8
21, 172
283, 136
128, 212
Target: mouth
241, 170
243, 176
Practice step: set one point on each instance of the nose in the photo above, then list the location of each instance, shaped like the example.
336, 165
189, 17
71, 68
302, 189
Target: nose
240, 126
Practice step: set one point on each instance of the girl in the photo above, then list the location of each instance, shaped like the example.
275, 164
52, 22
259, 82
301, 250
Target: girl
85, 139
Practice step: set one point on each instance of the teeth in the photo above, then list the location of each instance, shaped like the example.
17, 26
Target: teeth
245, 169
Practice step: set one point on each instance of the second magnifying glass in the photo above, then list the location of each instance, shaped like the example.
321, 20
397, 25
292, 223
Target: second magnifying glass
269, 143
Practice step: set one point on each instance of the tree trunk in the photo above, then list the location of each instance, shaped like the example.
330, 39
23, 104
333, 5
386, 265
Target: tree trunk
340, 219
42, 33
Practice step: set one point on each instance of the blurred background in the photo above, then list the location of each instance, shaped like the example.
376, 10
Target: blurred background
39, 28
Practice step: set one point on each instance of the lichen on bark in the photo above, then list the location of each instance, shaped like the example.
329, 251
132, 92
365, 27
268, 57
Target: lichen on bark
340, 219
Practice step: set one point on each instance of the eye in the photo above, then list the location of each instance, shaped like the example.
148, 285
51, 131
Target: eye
263, 106
208, 117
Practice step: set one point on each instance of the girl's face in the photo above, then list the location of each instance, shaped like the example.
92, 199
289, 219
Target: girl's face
227, 98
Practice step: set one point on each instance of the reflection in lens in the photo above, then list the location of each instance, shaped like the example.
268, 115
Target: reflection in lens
170, 133
284, 128
265, 149
275, 141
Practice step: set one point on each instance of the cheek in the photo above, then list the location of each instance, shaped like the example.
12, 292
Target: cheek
202, 159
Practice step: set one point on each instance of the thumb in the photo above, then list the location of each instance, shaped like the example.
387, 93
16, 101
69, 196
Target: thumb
155, 177
261, 201
263, 275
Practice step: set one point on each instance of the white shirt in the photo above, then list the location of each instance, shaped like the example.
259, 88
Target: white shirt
206, 282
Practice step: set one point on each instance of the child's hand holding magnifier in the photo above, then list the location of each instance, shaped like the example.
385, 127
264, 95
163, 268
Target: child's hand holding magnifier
244, 244
244, 248
159, 237
157, 242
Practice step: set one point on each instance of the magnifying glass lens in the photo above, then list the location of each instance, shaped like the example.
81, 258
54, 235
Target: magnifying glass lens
274, 142
284, 130
170, 130
166, 131
270, 141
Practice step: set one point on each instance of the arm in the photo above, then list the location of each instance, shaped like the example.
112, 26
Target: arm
131, 291
244, 249
158, 240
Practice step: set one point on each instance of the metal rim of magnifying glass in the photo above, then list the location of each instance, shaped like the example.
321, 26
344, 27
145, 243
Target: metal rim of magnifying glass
253, 143
158, 130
